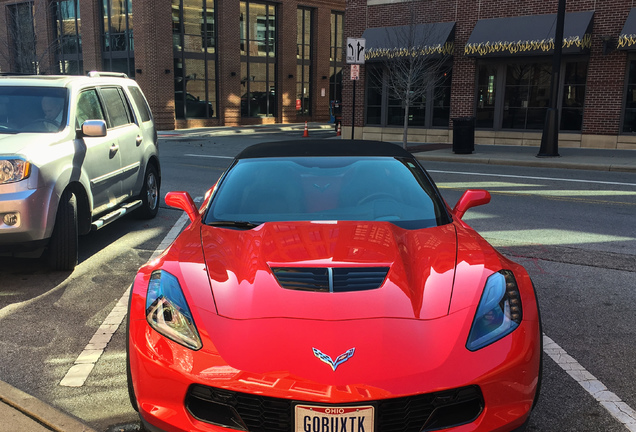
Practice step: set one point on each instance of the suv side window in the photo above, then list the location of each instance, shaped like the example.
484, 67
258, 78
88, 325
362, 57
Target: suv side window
88, 107
140, 101
116, 107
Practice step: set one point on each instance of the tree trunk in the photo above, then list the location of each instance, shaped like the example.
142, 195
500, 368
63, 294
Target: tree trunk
405, 130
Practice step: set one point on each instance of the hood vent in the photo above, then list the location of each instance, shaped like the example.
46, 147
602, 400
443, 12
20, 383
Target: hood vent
328, 279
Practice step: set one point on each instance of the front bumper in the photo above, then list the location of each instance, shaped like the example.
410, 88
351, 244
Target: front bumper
31, 208
166, 376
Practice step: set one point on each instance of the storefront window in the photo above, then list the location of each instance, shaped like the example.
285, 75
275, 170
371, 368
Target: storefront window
258, 59
525, 98
68, 36
527, 95
117, 37
629, 120
194, 47
303, 62
573, 96
336, 59
485, 111
430, 109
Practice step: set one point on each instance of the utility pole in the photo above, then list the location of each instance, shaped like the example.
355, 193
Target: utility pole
550, 137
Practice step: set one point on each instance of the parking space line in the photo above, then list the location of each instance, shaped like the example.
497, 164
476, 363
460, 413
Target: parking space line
85, 362
610, 401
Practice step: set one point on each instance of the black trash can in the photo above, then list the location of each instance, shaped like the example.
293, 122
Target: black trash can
464, 135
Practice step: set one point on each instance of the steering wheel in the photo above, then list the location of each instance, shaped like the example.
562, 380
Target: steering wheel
375, 196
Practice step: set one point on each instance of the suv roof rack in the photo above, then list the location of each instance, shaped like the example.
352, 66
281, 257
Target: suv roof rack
107, 74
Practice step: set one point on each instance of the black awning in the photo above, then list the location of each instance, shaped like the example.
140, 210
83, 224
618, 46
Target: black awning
627, 38
435, 39
529, 35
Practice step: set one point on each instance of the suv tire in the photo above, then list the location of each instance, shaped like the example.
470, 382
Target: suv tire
149, 194
62, 248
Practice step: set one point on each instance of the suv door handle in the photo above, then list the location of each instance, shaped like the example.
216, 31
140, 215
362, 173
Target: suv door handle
139, 140
113, 150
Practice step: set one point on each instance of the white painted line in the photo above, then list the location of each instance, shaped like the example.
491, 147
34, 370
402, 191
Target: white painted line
85, 362
534, 178
611, 402
209, 156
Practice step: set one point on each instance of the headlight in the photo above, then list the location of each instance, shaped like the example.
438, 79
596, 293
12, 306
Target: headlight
167, 310
499, 311
14, 170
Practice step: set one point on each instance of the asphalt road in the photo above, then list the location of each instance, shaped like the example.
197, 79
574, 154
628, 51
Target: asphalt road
573, 230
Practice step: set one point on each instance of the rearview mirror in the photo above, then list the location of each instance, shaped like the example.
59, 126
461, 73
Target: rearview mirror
183, 201
470, 198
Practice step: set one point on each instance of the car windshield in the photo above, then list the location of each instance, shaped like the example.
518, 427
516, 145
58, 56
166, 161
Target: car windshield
326, 189
32, 109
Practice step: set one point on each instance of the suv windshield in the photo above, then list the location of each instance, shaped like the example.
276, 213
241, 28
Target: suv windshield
32, 109
326, 189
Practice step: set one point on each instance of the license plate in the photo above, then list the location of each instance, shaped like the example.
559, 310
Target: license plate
311, 418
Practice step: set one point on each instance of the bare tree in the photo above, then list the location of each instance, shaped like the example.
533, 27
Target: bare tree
27, 47
412, 62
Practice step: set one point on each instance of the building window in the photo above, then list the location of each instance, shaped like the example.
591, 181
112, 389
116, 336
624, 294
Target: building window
66, 15
258, 59
629, 115
516, 95
22, 38
336, 59
303, 62
485, 111
117, 37
194, 47
431, 109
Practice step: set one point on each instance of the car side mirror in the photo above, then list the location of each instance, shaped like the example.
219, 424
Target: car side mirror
470, 198
183, 201
94, 128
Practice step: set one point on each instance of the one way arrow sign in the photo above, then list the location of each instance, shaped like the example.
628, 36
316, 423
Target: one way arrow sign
355, 50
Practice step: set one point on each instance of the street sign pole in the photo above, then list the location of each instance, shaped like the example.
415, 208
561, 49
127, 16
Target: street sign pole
353, 109
355, 57
550, 137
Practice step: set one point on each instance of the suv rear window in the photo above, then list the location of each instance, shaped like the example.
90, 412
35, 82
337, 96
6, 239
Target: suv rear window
118, 111
140, 101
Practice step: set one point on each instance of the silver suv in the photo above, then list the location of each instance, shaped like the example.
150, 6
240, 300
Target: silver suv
76, 153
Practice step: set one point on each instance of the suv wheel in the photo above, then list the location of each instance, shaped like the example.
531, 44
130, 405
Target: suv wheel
149, 194
62, 249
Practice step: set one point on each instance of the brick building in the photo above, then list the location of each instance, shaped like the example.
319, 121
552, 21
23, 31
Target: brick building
499, 70
199, 62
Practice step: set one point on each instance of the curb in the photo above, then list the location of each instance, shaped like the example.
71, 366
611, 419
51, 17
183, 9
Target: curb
40, 412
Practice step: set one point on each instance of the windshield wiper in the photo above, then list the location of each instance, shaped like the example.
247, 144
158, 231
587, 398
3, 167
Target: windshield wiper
234, 224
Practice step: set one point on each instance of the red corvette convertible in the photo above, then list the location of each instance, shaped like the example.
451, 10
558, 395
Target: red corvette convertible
326, 286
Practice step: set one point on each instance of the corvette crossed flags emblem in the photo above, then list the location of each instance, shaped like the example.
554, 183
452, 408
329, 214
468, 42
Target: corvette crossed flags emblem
334, 363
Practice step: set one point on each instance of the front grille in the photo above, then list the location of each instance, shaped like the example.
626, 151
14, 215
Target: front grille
417, 413
327, 279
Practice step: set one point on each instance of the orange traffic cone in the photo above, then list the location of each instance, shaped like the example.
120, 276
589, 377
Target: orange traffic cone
306, 134
338, 130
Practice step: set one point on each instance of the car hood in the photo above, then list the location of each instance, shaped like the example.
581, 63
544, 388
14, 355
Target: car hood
27, 144
419, 283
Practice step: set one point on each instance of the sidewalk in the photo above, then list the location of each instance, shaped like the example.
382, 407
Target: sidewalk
22, 412
569, 158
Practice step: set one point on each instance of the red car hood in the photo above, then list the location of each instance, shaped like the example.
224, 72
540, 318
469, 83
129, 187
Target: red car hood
418, 285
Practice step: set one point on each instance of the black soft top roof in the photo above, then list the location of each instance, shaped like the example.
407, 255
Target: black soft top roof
323, 147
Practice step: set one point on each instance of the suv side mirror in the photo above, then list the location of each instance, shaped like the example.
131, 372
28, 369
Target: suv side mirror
94, 128
470, 198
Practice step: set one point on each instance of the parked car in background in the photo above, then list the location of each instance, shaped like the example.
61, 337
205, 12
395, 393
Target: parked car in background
326, 285
76, 153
